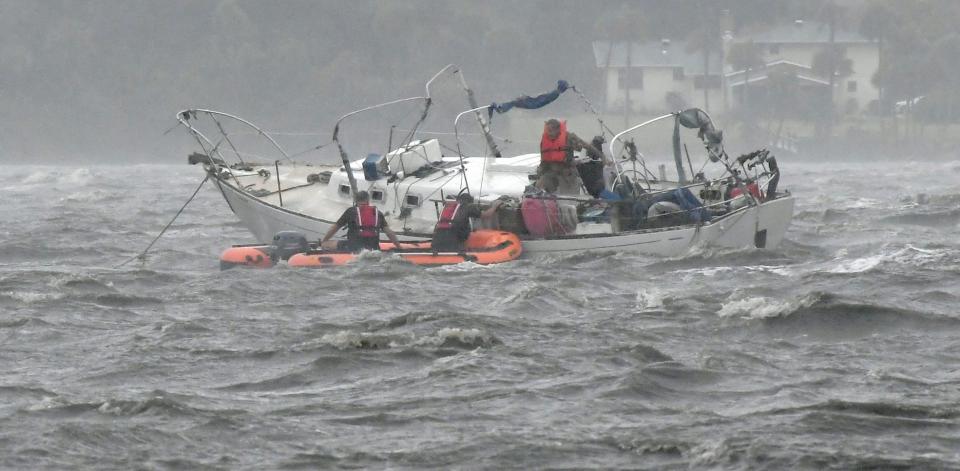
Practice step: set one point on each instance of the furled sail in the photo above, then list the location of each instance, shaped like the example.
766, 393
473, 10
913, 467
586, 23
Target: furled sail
531, 102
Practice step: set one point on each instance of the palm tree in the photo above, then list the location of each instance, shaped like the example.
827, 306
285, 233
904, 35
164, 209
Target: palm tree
707, 40
877, 23
746, 57
623, 27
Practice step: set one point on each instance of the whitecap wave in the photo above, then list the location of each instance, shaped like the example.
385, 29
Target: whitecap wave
761, 307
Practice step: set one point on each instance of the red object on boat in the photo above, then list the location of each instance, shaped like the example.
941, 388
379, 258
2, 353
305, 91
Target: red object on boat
753, 188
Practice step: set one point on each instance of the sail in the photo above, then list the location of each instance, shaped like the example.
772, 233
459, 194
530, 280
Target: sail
531, 102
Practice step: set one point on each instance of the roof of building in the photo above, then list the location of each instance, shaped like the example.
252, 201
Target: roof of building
653, 54
806, 32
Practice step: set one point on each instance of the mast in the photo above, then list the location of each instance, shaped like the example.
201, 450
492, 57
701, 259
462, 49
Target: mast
677, 156
483, 122
336, 128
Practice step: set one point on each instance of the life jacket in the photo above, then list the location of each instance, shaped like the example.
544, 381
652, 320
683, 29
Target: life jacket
554, 150
368, 221
447, 215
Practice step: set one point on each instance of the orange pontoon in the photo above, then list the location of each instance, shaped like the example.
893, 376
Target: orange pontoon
483, 247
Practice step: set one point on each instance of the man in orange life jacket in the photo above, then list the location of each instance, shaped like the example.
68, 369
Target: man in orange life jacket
364, 224
453, 227
557, 169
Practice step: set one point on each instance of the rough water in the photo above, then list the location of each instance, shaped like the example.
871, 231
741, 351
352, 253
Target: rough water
838, 350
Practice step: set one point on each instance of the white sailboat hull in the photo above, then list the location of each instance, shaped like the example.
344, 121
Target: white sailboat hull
754, 226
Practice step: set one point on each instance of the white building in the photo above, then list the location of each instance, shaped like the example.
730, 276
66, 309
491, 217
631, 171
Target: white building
663, 75
660, 76
799, 43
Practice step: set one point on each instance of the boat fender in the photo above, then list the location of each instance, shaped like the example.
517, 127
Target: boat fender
664, 208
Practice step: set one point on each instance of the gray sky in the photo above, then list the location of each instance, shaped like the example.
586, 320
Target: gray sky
101, 80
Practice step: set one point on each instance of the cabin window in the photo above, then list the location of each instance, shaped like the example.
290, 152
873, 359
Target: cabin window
708, 81
376, 195
852, 86
344, 190
412, 200
678, 73
630, 78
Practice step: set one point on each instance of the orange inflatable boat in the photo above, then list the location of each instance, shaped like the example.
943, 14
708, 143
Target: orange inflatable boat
483, 247
285, 244
252, 256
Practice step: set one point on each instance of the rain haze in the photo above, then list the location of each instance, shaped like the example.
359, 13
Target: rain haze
735, 248
102, 80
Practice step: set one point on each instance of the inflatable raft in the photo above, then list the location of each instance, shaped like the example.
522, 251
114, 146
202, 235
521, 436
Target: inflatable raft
484, 247
285, 244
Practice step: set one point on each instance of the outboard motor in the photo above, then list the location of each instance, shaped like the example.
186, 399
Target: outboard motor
288, 243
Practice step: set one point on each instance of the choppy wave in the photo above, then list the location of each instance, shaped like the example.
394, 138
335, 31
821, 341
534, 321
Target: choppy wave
833, 351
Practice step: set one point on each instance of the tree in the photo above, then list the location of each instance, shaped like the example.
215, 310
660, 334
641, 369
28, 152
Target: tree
783, 97
876, 23
746, 56
830, 62
707, 40
945, 71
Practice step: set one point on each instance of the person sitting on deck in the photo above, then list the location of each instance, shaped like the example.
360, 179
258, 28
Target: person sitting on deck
364, 224
453, 227
557, 169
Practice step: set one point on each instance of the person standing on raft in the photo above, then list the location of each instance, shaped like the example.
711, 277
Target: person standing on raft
364, 224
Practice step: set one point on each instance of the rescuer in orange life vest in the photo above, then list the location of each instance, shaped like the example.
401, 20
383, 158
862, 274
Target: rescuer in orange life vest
453, 226
557, 168
364, 224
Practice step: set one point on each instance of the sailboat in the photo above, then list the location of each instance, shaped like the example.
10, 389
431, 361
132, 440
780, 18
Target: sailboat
633, 210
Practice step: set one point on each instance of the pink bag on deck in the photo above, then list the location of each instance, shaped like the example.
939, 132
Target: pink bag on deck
542, 217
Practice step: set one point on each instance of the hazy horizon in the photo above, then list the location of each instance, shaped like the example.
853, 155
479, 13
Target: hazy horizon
101, 81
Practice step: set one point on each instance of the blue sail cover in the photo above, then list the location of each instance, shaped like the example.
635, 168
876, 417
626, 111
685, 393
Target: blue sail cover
530, 102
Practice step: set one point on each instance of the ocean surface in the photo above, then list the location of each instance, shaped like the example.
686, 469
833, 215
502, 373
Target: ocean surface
838, 350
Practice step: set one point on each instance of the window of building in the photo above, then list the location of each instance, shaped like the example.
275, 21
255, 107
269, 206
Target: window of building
376, 195
774, 49
630, 78
709, 81
852, 86
678, 73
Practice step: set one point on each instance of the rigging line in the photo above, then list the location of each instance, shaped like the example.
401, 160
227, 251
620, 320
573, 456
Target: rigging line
142, 256
603, 126
213, 150
705, 162
423, 117
225, 136
447, 147
310, 150
172, 128
440, 187
291, 133
505, 140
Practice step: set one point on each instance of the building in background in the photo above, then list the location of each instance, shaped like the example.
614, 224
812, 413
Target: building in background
656, 76
660, 76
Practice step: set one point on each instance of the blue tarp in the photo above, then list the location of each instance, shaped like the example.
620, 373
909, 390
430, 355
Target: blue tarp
530, 102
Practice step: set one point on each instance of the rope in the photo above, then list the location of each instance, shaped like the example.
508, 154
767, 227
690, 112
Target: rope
603, 126
310, 149
142, 256
227, 137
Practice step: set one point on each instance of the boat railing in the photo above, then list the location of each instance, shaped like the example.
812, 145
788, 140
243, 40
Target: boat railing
210, 148
336, 128
721, 207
